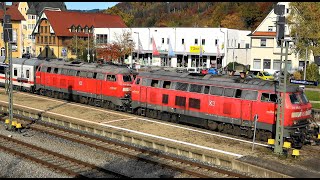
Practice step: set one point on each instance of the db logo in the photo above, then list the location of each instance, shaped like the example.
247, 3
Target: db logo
80, 83
212, 103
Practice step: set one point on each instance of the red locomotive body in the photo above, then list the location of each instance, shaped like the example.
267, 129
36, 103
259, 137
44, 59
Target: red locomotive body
105, 85
224, 104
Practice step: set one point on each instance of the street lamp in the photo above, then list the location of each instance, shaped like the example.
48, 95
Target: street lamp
138, 45
88, 56
130, 42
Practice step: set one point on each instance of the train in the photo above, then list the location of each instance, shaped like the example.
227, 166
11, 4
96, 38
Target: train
217, 103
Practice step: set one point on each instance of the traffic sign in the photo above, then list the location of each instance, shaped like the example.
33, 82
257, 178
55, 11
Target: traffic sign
304, 82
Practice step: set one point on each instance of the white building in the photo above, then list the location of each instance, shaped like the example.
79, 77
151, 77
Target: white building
220, 45
265, 53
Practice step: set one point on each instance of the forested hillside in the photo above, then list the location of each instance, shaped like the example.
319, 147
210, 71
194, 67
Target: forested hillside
235, 15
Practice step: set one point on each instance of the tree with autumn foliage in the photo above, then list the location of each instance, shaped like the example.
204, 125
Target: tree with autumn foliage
304, 23
117, 50
233, 21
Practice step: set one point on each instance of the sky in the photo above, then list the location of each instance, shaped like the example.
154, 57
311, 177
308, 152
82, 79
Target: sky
89, 5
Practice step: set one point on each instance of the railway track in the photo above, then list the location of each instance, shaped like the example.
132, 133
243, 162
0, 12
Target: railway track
54, 160
186, 166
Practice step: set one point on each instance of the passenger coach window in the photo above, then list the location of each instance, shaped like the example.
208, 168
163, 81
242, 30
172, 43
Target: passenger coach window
238, 93
15, 72
216, 91
154, 83
181, 86
166, 84
27, 73
127, 78
2, 70
195, 88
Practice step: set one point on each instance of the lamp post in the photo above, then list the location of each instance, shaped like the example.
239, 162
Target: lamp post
88, 56
130, 41
138, 45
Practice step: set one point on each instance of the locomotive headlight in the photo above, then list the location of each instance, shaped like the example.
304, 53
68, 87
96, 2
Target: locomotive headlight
295, 114
295, 122
126, 89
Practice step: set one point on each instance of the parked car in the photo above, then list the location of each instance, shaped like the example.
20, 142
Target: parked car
194, 70
260, 74
26, 55
204, 71
213, 71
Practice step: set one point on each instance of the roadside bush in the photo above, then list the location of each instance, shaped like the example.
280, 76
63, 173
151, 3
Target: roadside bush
312, 73
297, 75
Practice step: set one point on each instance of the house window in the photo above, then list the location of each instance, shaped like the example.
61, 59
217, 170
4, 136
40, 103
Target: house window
276, 64
270, 28
288, 10
263, 42
195, 41
257, 63
182, 41
162, 41
216, 42
203, 42
168, 40
53, 39
266, 64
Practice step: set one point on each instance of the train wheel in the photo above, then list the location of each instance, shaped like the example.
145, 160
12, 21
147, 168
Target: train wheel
49, 93
174, 118
165, 116
60, 95
155, 114
56, 95
228, 129
266, 135
259, 135
159, 115
249, 133
236, 131
220, 127
41, 92
82, 100
212, 125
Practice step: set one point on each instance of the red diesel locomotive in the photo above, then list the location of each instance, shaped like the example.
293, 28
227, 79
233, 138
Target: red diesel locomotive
95, 84
224, 104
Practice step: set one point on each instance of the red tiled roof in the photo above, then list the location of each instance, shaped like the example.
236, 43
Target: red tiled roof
14, 12
61, 21
264, 33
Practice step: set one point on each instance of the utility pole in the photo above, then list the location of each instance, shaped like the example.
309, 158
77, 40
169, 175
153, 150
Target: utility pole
305, 64
281, 90
7, 36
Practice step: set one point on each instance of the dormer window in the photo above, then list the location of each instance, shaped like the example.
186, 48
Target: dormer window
79, 29
86, 29
73, 29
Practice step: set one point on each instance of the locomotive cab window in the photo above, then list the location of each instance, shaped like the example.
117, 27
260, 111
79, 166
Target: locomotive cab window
43, 69
78, 73
146, 82
94, 75
72, 72
64, 71
126, 78
195, 88
166, 84
266, 97
294, 99
55, 70
138, 81
238, 93
111, 78
48, 69
154, 83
